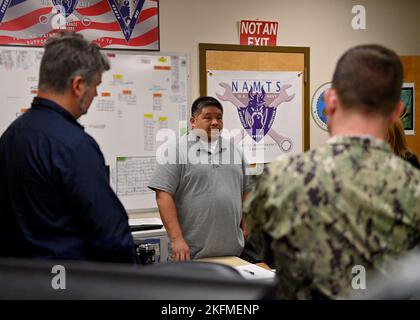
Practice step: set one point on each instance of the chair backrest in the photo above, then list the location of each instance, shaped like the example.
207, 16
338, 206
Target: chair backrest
33, 279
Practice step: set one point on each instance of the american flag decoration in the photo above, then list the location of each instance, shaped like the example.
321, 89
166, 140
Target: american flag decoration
112, 24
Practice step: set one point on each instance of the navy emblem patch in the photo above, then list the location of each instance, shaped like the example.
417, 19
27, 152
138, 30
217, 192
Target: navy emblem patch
4, 4
318, 106
127, 12
65, 7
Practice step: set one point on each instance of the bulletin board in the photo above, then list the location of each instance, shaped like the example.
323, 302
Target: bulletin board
412, 75
265, 94
140, 95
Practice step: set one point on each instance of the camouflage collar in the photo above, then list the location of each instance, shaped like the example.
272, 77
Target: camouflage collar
365, 140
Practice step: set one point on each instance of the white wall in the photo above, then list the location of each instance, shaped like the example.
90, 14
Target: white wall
322, 25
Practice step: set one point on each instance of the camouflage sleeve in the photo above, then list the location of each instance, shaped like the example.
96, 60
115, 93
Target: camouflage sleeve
272, 214
254, 204
271, 205
263, 210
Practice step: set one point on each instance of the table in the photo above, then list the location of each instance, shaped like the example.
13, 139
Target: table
240, 265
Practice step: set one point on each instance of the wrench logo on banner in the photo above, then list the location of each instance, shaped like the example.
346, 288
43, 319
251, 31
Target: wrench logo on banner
257, 116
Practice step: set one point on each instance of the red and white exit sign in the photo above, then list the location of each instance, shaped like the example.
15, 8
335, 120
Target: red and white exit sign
258, 33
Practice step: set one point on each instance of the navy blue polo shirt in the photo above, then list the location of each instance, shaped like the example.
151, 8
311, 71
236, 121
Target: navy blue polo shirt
55, 197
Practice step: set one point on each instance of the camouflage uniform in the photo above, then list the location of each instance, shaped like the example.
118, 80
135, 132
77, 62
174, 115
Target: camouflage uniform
316, 215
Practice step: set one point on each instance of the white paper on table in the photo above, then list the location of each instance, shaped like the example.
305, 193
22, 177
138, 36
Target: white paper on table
254, 272
144, 221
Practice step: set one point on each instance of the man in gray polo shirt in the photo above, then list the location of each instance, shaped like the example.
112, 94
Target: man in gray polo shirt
200, 188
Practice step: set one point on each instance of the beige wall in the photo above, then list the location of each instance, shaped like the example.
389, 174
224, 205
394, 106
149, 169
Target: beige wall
322, 25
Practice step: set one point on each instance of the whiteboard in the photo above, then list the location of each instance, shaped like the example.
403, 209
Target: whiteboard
141, 94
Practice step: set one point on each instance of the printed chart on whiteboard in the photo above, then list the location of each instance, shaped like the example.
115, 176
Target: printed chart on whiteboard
141, 94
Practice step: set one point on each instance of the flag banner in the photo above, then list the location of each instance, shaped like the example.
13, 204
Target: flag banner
112, 24
262, 111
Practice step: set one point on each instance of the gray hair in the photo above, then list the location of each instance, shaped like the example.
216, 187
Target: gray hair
66, 56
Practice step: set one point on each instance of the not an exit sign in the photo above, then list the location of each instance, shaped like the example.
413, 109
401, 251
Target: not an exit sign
259, 33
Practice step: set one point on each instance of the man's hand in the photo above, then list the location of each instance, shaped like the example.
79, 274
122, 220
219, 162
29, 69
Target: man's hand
180, 250
243, 224
169, 216
244, 229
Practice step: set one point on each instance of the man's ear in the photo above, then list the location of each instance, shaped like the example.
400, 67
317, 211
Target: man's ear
78, 86
331, 101
396, 114
192, 121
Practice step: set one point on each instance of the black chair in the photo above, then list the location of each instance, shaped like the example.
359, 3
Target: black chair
32, 279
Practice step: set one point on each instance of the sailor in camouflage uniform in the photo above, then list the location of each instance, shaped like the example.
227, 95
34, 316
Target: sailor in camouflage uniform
352, 202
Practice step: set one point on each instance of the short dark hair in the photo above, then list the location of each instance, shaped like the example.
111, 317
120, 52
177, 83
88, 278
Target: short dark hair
67, 55
369, 77
203, 102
